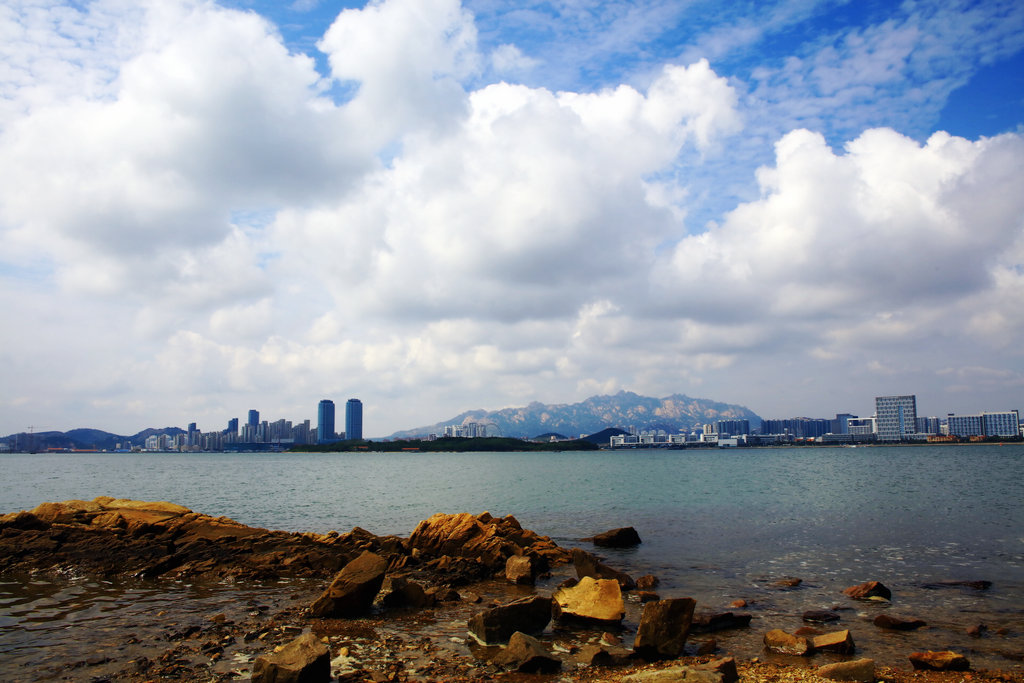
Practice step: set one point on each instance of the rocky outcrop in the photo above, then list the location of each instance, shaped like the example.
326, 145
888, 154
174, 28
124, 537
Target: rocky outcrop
664, 627
354, 588
939, 661
113, 536
304, 660
868, 590
489, 540
588, 565
597, 600
859, 670
497, 624
625, 537
525, 654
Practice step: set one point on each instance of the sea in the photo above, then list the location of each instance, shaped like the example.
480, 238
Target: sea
717, 525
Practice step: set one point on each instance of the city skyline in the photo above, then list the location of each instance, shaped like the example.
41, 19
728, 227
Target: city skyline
434, 204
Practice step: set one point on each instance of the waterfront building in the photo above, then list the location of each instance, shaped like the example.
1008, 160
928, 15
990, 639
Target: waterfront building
928, 425
254, 419
232, 428
325, 421
896, 417
354, 419
733, 428
1005, 423
841, 425
860, 426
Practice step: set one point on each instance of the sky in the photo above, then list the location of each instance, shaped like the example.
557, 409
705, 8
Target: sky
435, 206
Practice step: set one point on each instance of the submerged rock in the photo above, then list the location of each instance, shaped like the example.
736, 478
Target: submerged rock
896, 623
868, 590
709, 622
625, 537
784, 643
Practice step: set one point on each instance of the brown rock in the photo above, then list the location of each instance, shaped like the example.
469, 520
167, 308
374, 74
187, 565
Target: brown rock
590, 600
784, 643
664, 627
525, 654
625, 537
354, 588
303, 660
647, 582
675, 674
737, 604
837, 641
519, 570
708, 647
787, 582
820, 616
398, 591
977, 630
497, 624
647, 596
726, 666
859, 670
939, 661
588, 565
595, 655
868, 590
896, 623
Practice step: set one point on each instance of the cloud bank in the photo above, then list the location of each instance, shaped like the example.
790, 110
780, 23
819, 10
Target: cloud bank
195, 220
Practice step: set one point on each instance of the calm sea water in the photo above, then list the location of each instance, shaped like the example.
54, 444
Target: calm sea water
716, 524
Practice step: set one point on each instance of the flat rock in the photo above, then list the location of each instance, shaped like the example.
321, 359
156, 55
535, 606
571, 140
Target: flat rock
868, 590
496, 625
664, 627
837, 641
525, 654
939, 661
354, 588
974, 585
897, 623
859, 670
821, 616
783, 643
624, 537
590, 600
304, 660
675, 674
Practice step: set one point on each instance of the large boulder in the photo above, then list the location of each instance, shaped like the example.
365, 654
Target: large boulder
399, 591
625, 537
664, 627
519, 570
588, 565
304, 660
858, 670
354, 588
591, 599
497, 624
868, 590
783, 643
525, 654
939, 661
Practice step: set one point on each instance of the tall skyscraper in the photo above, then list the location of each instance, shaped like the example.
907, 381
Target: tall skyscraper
233, 426
896, 417
254, 419
354, 419
325, 421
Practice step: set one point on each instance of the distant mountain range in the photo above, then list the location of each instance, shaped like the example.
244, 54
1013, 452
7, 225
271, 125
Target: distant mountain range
85, 439
624, 410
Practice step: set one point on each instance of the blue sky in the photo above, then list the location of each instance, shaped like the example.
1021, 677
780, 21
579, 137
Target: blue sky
434, 206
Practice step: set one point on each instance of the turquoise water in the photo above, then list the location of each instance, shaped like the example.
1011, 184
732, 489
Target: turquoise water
716, 524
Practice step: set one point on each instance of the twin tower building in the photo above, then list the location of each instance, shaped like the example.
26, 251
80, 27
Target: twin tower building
353, 421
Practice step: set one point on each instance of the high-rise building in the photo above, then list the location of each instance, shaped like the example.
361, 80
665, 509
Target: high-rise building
233, 426
254, 419
354, 419
325, 421
896, 417
1005, 423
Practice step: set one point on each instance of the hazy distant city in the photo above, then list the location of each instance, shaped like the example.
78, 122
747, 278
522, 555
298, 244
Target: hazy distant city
895, 419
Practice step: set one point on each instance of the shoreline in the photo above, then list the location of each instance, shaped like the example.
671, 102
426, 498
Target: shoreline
122, 538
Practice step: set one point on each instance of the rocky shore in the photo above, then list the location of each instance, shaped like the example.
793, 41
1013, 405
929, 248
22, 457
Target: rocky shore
464, 597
